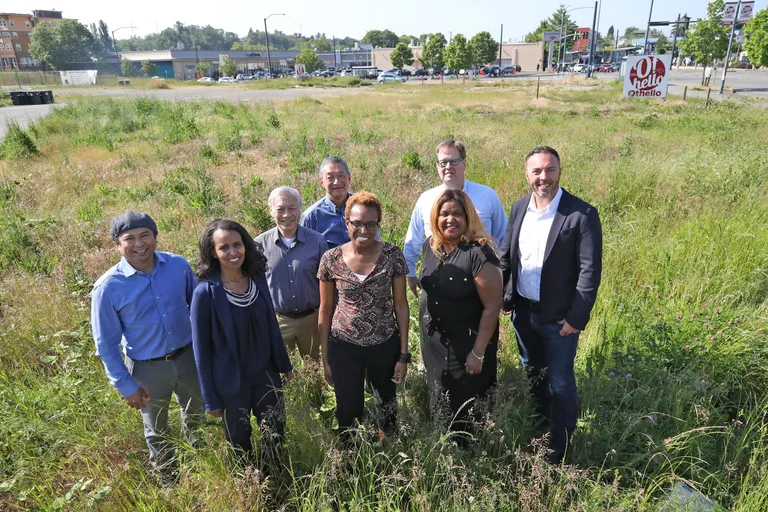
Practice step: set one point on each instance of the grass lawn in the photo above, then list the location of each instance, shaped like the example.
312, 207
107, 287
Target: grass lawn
672, 370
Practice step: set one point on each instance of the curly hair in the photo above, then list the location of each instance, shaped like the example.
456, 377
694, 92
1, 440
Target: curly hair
366, 199
475, 232
254, 264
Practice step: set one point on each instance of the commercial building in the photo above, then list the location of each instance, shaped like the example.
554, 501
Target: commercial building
15, 31
581, 40
525, 55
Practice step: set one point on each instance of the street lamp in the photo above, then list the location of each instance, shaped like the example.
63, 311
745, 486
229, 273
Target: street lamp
561, 46
266, 36
301, 26
114, 47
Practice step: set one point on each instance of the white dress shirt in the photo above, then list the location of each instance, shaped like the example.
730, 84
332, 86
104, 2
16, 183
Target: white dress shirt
533, 244
487, 204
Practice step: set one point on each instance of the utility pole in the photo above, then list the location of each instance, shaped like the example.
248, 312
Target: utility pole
266, 37
648, 30
674, 40
592, 43
730, 45
501, 42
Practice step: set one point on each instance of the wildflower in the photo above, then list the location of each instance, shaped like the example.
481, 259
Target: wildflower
707, 318
611, 375
658, 309
737, 320
705, 325
667, 442
670, 295
714, 338
697, 339
717, 311
693, 315
658, 295
730, 324
679, 317
628, 376
719, 333
687, 347
637, 390
634, 308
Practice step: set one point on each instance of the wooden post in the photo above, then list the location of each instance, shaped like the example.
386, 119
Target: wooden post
685, 93
538, 83
709, 92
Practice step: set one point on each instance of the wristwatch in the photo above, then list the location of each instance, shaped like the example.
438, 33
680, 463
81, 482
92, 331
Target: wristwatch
404, 358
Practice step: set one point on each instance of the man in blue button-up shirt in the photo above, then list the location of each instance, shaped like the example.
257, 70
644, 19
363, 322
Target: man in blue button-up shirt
141, 306
326, 216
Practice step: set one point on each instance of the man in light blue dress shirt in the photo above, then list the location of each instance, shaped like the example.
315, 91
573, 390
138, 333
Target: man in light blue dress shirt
141, 306
326, 216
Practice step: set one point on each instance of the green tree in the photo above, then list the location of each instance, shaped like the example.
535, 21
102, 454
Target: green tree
629, 33
484, 48
433, 51
662, 44
203, 68
58, 43
408, 39
127, 68
380, 38
323, 45
559, 19
148, 68
611, 34
756, 45
309, 59
401, 56
708, 40
458, 54
228, 66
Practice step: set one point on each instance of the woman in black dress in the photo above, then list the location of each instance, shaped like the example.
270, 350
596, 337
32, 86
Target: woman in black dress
461, 276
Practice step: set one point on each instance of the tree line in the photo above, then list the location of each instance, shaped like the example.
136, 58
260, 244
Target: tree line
64, 42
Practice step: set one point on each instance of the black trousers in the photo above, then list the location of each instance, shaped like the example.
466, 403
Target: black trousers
260, 394
349, 365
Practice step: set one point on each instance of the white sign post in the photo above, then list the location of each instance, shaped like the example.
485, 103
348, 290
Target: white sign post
647, 76
551, 37
85, 77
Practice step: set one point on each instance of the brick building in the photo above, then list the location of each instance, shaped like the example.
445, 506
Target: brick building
15, 31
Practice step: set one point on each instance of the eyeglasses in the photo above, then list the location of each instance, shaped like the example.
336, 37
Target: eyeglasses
453, 161
370, 226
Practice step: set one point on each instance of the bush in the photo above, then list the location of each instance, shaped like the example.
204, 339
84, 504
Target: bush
412, 160
17, 144
196, 187
272, 120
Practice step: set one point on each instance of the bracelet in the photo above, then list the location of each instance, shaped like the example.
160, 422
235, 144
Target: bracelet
404, 358
479, 358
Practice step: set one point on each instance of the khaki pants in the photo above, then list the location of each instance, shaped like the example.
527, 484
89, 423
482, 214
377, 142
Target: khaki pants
301, 333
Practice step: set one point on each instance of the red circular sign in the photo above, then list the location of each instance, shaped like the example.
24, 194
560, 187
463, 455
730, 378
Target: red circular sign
647, 73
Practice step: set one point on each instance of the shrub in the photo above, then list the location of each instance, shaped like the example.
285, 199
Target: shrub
196, 187
159, 84
272, 120
412, 160
253, 206
90, 211
17, 144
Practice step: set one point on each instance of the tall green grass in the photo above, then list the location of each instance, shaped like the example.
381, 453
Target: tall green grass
673, 368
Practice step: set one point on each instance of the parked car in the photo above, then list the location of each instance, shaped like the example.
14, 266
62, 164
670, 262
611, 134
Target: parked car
607, 68
579, 68
244, 77
389, 77
227, 80
206, 80
405, 72
419, 72
157, 78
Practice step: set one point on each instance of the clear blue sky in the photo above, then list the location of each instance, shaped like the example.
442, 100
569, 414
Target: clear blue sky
355, 17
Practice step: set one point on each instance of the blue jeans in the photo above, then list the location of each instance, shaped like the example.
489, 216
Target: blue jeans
548, 360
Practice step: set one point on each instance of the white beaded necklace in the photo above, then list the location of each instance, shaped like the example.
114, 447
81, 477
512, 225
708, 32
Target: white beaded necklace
243, 300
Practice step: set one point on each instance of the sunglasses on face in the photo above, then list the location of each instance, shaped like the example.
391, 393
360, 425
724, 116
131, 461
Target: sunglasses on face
370, 226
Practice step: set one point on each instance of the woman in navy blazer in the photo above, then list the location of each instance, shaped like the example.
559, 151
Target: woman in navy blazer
238, 348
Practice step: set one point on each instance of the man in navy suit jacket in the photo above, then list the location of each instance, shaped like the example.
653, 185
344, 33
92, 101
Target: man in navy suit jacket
551, 260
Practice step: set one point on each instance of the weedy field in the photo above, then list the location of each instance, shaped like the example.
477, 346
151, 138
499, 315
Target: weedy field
672, 370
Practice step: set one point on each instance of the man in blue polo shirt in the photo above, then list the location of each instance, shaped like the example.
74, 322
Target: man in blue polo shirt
141, 305
326, 216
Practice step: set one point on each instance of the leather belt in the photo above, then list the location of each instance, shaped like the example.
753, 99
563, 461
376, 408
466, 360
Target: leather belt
298, 314
173, 355
528, 303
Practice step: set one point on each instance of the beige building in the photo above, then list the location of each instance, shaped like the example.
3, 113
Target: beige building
15, 31
525, 55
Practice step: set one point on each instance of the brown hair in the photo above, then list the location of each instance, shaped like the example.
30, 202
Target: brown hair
543, 149
475, 232
456, 144
363, 198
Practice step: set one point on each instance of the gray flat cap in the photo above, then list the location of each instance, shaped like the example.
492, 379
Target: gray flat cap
131, 220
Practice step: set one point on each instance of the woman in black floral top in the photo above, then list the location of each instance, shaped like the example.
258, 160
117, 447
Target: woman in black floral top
366, 332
